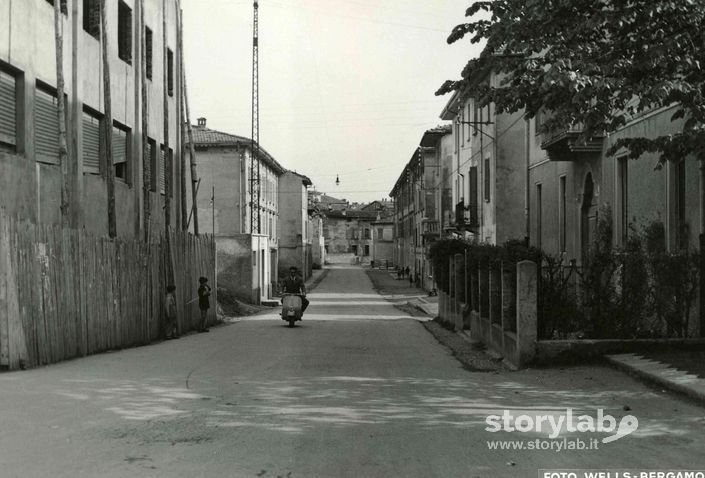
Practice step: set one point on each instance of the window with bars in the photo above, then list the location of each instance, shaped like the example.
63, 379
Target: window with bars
124, 32
91, 17
121, 151
8, 111
64, 9
91, 141
148, 47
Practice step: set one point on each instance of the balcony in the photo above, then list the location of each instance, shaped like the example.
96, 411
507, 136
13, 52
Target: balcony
467, 217
430, 228
565, 145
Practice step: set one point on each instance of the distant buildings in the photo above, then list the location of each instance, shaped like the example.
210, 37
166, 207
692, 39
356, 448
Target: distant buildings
248, 258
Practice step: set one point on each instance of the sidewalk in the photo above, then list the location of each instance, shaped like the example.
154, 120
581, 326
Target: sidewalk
400, 291
662, 374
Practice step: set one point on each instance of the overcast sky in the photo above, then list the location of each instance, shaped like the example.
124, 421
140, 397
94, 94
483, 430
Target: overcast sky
346, 86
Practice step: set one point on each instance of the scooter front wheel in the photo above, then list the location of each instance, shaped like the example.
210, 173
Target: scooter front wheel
292, 322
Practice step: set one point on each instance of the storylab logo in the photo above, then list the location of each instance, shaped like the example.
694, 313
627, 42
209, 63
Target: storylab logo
569, 422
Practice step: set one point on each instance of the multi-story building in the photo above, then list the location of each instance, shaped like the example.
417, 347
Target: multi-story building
550, 188
32, 178
295, 233
248, 257
490, 164
416, 209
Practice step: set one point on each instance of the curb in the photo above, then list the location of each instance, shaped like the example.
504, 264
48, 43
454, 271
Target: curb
625, 362
316, 280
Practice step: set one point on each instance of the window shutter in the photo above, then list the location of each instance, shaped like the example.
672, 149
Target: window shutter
91, 144
8, 109
119, 146
147, 165
46, 130
161, 172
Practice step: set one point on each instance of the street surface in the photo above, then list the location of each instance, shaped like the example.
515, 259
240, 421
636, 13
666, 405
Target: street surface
358, 389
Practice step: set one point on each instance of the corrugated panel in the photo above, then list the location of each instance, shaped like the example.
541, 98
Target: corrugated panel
162, 166
91, 144
46, 127
8, 109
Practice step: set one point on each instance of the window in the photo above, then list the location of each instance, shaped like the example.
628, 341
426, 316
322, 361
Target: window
46, 125
124, 32
623, 178
64, 10
486, 174
367, 233
148, 48
539, 225
682, 225
170, 71
91, 141
367, 250
380, 233
473, 196
8, 111
562, 213
91, 17
121, 141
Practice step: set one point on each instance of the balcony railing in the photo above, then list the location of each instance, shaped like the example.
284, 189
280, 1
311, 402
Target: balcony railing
430, 228
565, 144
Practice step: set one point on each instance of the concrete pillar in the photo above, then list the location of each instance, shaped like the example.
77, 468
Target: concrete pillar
526, 327
509, 320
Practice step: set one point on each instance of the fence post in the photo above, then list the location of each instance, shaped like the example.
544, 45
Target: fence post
526, 298
508, 297
495, 295
459, 291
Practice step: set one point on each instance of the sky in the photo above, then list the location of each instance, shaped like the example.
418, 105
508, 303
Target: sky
346, 87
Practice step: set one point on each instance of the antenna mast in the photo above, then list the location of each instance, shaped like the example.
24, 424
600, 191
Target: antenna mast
254, 159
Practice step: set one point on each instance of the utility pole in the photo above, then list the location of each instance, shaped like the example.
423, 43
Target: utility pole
254, 159
108, 123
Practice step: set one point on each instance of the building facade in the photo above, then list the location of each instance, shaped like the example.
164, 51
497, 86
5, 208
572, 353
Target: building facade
248, 257
417, 212
295, 232
32, 178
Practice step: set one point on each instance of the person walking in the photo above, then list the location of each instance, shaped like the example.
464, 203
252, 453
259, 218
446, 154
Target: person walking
170, 323
204, 293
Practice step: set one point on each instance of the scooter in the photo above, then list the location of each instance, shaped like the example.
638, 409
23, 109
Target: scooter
291, 308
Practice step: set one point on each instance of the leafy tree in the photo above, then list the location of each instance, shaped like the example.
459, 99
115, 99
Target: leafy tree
595, 62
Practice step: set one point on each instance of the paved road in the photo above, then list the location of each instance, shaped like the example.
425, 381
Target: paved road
357, 390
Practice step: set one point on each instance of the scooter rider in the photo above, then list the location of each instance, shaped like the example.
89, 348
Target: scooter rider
293, 284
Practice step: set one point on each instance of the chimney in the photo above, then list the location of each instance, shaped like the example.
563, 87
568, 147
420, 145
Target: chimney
201, 122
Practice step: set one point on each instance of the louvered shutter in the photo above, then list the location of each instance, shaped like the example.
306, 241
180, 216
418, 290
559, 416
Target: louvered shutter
91, 144
147, 165
46, 129
119, 146
161, 172
8, 109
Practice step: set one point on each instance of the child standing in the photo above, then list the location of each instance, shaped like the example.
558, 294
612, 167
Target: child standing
170, 326
204, 292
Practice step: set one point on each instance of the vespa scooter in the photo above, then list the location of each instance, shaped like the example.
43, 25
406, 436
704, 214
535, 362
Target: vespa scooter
291, 308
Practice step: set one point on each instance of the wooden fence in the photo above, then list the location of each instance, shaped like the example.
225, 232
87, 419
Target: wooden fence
65, 293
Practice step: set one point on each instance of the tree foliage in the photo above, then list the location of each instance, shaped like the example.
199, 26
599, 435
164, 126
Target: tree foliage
594, 62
